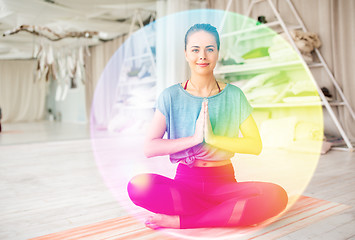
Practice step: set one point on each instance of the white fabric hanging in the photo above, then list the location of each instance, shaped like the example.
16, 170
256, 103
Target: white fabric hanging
50, 57
21, 98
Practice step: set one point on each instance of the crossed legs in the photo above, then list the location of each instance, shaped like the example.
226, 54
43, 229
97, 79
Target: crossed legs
184, 204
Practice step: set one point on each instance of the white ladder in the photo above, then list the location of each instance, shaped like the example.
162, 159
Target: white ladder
322, 64
137, 19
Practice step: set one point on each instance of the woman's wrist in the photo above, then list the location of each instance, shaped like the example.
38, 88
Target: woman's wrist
194, 140
210, 139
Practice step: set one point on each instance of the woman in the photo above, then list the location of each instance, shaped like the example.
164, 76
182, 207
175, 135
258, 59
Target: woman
202, 118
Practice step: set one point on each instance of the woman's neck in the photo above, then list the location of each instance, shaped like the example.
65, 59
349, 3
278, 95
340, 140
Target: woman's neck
203, 82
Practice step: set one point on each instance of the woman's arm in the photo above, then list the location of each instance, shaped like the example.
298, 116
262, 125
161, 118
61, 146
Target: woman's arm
250, 143
155, 145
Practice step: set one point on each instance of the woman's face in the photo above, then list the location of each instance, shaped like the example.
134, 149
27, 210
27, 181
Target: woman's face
201, 52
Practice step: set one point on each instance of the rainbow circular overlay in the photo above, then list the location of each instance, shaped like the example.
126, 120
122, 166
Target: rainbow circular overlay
254, 57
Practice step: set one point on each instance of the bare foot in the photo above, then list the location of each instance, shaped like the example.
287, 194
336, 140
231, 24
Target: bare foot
161, 220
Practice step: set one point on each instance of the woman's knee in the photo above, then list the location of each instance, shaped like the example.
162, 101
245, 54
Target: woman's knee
275, 195
280, 196
138, 186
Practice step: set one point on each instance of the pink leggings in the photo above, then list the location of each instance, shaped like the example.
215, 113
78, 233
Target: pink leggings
208, 197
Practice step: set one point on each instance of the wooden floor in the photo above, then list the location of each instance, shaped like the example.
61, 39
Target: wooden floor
46, 188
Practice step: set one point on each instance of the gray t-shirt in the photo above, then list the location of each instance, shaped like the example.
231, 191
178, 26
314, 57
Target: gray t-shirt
227, 110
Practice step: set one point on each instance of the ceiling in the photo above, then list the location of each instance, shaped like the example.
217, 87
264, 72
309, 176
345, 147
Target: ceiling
104, 19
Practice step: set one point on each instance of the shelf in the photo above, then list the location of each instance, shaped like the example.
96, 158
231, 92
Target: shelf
257, 27
260, 35
299, 104
286, 105
257, 67
139, 107
126, 106
336, 103
137, 57
266, 34
289, 28
284, 28
135, 82
315, 65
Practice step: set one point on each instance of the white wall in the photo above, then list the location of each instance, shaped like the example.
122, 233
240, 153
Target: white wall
72, 108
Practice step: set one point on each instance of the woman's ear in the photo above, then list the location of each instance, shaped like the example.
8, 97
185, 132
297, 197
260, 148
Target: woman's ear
185, 55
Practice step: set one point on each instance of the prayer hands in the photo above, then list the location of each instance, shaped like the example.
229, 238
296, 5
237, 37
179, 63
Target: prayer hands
199, 129
203, 130
208, 132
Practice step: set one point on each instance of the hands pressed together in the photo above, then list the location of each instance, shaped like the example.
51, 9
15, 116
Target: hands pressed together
203, 130
250, 143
